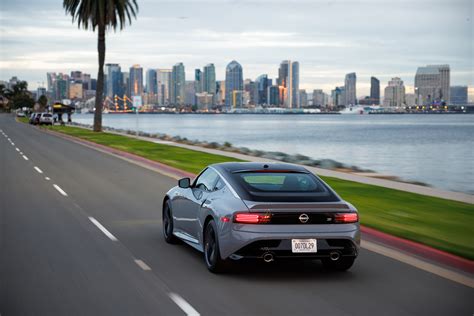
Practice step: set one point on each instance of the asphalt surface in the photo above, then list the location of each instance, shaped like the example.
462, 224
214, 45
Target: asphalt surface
55, 261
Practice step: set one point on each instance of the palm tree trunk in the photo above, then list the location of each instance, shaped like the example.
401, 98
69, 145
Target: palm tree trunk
99, 93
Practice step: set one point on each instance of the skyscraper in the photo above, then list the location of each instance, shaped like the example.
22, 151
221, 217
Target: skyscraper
263, 83
114, 84
303, 98
273, 95
458, 95
374, 90
136, 80
151, 82
233, 82
198, 80
394, 94
177, 87
209, 79
432, 84
163, 83
318, 97
350, 89
289, 79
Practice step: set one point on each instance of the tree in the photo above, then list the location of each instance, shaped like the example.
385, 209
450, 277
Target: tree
100, 15
43, 102
22, 100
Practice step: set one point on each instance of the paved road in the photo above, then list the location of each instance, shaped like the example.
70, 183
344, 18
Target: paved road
54, 260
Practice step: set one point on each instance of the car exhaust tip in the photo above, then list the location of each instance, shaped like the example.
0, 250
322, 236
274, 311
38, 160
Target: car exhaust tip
268, 257
334, 255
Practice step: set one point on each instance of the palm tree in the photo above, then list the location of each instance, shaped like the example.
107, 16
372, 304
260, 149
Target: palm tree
103, 15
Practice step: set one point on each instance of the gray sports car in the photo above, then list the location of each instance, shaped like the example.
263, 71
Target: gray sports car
263, 211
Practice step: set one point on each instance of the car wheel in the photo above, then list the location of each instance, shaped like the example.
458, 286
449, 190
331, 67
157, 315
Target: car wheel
212, 255
343, 264
168, 224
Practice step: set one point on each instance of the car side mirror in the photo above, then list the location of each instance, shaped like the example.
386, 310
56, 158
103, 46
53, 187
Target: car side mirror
184, 183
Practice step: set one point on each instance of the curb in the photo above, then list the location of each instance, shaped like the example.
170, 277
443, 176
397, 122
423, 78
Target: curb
404, 245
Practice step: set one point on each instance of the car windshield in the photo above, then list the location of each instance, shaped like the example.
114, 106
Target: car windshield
281, 182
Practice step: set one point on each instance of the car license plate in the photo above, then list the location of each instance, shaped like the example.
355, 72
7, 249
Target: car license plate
304, 245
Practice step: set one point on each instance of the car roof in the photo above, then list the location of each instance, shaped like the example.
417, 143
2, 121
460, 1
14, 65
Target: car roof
233, 167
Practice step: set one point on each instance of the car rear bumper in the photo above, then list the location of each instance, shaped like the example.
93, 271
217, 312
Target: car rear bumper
254, 241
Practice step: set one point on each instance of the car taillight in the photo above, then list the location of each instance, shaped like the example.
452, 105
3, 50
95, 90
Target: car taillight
342, 218
252, 218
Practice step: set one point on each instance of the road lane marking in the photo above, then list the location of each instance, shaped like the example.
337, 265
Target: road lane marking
420, 264
47, 178
103, 229
59, 189
17, 149
24, 157
38, 169
185, 306
13, 144
142, 264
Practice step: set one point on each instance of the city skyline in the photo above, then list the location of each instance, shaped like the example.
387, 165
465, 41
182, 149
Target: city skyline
168, 32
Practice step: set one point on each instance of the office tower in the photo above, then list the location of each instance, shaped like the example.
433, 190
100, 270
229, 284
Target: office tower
39, 92
76, 91
163, 82
114, 80
458, 95
151, 82
220, 97
126, 83
233, 82
432, 84
61, 89
76, 76
177, 87
350, 89
338, 96
86, 81
303, 98
273, 95
198, 81
263, 83
50, 78
289, 79
374, 91
394, 94
318, 97
189, 93
136, 80
251, 87
209, 79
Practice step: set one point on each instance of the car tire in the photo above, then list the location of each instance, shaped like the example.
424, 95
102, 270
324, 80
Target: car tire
168, 224
212, 255
343, 264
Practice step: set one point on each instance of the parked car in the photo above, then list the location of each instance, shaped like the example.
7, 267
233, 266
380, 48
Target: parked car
46, 118
20, 114
234, 211
34, 118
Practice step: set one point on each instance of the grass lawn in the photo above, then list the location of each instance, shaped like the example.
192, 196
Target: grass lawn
440, 223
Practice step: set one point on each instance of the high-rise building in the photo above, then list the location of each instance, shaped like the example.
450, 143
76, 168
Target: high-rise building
338, 96
375, 90
136, 80
220, 97
198, 80
189, 93
151, 82
76, 76
303, 98
61, 89
209, 79
318, 97
50, 78
251, 87
350, 84
163, 83
114, 85
394, 95
233, 82
177, 86
39, 92
458, 95
273, 95
432, 84
289, 79
75, 91
263, 83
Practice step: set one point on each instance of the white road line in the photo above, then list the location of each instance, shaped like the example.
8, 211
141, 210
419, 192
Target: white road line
103, 229
47, 178
185, 306
17, 149
24, 157
13, 144
38, 169
420, 264
59, 189
142, 264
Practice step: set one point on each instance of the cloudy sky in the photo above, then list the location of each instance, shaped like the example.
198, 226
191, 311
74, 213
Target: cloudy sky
329, 38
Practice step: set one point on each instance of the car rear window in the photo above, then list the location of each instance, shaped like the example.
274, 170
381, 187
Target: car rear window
47, 115
282, 182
